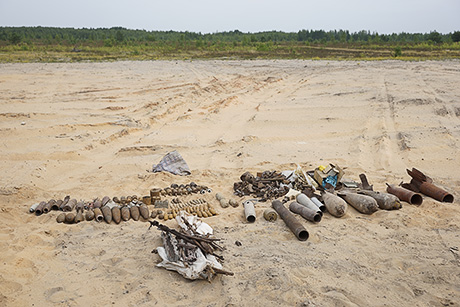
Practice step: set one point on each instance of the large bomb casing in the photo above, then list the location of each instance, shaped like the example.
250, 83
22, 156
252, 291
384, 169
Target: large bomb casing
125, 214
363, 203
116, 214
385, 201
144, 211
134, 212
107, 212
335, 205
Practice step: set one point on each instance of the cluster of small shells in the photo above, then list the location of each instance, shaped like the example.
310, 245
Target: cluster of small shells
198, 207
184, 189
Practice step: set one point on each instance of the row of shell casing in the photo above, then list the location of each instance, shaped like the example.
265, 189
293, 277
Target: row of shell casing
202, 211
178, 190
106, 213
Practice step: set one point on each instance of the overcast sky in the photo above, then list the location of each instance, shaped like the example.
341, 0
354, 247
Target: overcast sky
208, 16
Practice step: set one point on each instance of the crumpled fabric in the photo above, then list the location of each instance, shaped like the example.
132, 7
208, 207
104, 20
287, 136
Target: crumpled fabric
174, 163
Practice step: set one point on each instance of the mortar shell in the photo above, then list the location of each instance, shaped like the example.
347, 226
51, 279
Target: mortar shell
363, 203
69, 218
123, 199
125, 213
60, 218
385, 201
98, 216
144, 212
79, 216
89, 215
80, 205
116, 214
134, 211
335, 205
105, 200
97, 204
107, 214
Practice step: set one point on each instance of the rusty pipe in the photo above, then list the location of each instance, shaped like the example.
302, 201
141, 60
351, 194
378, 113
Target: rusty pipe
405, 194
306, 213
299, 231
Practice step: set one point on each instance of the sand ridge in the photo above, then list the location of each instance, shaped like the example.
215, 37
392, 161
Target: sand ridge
93, 129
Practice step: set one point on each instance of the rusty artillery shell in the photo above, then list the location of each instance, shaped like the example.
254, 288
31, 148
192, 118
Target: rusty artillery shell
97, 204
305, 212
270, 215
47, 206
305, 201
58, 204
39, 209
64, 202
144, 212
385, 201
53, 204
80, 205
363, 203
116, 214
125, 214
69, 218
299, 231
69, 205
335, 205
105, 200
79, 216
60, 218
134, 211
98, 216
107, 212
405, 194
249, 211
89, 215
435, 192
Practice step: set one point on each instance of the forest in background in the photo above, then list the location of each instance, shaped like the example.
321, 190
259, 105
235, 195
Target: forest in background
52, 44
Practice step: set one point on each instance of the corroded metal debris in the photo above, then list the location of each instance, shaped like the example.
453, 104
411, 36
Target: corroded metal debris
266, 185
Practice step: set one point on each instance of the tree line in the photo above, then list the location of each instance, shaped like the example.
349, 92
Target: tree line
119, 35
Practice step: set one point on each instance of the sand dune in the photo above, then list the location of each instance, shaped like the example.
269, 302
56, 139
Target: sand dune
94, 129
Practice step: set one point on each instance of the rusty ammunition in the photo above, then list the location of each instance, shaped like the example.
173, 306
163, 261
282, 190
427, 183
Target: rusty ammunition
249, 211
64, 202
134, 212
80, 205
79, 216
98, 216
105, 200
53, 204
363, 203
47, 206
424, 184
405, 194
97, 204
125, 214
305, 212
39, 209
335, 205
107, 212
69, 218
116, 200
69, 205
270, 215
385, 201
144, 212
147, 200
299, 231
116, 214
60, 218
89, 215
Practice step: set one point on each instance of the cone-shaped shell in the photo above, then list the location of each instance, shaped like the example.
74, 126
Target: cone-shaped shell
385, 201
116, 214
144, 212
363, 203
335, 205
107, 212
125, 214
60, 218
134, 211
79, 217
70, 218
89, 215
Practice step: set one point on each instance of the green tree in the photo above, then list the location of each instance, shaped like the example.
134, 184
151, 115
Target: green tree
435, 37
14, 38
119, 37
456, 36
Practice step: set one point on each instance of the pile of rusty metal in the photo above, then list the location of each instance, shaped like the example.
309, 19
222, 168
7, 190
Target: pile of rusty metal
265, 185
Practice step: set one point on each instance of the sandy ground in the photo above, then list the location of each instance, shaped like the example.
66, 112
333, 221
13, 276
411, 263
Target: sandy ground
93, 129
